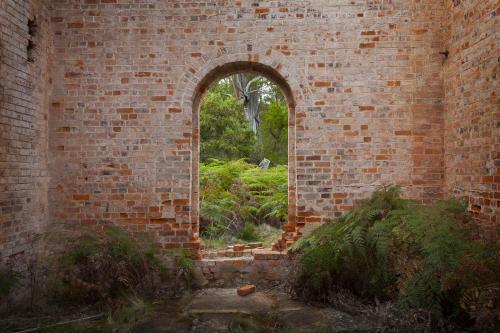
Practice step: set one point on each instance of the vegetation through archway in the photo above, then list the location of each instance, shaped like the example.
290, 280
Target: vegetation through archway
244, 157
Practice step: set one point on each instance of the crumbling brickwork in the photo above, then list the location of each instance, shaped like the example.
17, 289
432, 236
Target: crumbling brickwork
24, 98
472, 117
365, 75
373, 102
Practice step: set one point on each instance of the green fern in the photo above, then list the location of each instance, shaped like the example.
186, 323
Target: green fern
235, 193
391, 248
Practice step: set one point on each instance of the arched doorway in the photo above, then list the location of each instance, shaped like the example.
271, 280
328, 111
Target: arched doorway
274, 76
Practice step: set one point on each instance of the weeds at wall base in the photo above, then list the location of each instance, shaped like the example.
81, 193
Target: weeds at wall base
105, 272
423, 259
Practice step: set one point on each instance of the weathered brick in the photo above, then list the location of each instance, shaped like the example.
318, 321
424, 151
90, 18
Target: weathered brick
25, 91
246, 290
115, 114
471, 108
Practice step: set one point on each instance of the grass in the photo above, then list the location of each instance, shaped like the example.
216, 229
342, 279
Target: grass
133, 311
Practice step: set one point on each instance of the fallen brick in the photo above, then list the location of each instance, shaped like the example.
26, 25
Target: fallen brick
246, 290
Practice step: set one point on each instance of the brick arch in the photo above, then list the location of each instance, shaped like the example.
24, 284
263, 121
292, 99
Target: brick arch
276, 64
270, 64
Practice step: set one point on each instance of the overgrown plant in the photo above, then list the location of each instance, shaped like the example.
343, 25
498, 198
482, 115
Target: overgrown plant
245, 116
273, 133
97, 273
9, 279
389, 248
269, 189
225, 133
102, 267
237, 196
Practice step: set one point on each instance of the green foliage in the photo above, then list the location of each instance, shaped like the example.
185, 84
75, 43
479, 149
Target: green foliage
249, 233
242, 325
395, 249
264, 233
274, 133
9, 279
225, 132
101, 267
183, 259
481, 303
127, 313
132, 312
235, 194
269, 189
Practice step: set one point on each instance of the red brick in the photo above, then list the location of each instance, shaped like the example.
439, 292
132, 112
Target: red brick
75, 25
238, 247
262, 10
366, 108
81, 197
322, 84
84, 116
142, 74
246, 290
366, 45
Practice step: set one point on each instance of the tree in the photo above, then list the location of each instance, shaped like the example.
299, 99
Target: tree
224, 131
274, 133
246, 92
256, 93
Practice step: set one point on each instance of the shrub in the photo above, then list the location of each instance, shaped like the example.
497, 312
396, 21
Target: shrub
249, 233
274, 133
88, 271
394, 249
225, 132
9, 279
269, 189
101, 267
236, 193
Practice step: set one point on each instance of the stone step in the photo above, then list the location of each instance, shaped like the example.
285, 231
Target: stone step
263, 254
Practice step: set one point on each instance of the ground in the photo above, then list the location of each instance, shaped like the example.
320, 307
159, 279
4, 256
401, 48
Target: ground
263, 311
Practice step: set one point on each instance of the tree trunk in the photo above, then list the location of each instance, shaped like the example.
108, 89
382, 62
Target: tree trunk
242, 84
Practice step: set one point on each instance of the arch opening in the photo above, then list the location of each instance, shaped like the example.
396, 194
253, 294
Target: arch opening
271, 74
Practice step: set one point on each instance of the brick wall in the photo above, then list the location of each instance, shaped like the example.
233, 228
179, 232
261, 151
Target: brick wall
365, 77
24, 91
472, 142
374, 103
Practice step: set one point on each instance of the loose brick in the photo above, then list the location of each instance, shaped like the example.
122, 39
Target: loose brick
246, 290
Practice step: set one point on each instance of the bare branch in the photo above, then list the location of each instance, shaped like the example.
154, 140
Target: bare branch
249, 84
